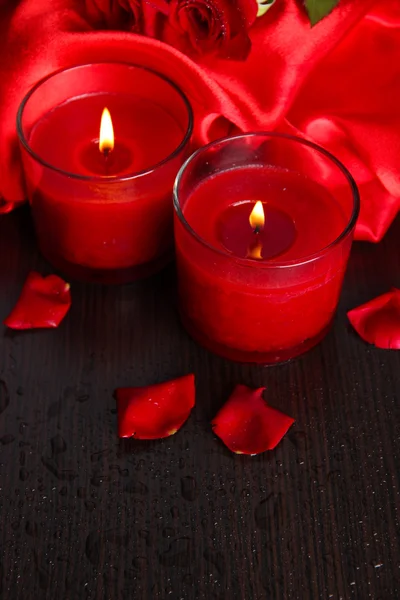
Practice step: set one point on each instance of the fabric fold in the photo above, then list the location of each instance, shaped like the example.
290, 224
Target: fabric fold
337, 84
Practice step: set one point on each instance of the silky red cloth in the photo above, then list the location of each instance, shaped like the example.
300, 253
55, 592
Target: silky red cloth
337, 84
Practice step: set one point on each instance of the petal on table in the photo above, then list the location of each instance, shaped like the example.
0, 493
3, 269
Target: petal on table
247, 425
378, 321
43, 303
155, 411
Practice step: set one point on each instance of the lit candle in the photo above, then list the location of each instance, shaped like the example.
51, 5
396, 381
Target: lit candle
102, 144
259, 280
250, 236
106, 137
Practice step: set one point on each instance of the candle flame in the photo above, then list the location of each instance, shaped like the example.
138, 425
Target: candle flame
257, 217
106, 142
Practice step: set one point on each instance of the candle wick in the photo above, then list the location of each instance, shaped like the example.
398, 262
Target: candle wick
106, 154
257, 229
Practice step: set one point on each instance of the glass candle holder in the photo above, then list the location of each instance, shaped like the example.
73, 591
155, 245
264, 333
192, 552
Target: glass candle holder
263, 229
102, 208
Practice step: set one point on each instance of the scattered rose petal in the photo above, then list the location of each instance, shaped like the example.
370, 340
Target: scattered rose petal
155, 411
247, 425
378, 321
43, 303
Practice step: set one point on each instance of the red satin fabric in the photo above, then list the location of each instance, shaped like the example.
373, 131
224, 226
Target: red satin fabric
337, 84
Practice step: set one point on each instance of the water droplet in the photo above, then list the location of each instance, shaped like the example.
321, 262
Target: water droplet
136, 487
188, 488
97, 456
110, 574
42, 573
32, 528
130, 574
145, 535
60, 473
58, 445
92, 548
23, 474
20, 391
82, 398
175, 512
168, 532
179, 554
54, 410
89, 505
98, 479
215, 558
328, 559
7, 439
334, 475
4, 396
181, 463
140, 562
268, 509
339, 456
299, 439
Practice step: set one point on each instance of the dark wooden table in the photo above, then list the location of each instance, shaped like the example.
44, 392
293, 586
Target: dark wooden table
84, 515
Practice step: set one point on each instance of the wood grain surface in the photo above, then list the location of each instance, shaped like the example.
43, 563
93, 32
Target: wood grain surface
84, 515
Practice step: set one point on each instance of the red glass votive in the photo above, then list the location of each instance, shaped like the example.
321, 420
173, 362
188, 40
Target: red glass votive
266, 293
104, 216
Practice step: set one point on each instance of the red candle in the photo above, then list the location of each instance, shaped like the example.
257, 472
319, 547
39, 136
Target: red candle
102, 207
261, 248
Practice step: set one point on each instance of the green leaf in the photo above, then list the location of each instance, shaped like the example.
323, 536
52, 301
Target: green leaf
264, 6
318, 9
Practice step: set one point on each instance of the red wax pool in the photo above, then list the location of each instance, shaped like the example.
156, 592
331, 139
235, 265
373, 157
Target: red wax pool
259, 295
105, 216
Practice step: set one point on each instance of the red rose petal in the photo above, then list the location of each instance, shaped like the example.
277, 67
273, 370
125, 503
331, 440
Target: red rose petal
247, 425
43, 303
155, 411
378, 321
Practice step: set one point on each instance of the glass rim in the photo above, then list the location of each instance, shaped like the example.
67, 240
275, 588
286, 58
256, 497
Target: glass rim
102, 178
248, 262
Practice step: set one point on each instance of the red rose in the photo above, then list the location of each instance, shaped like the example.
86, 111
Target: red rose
218, 26
138, 16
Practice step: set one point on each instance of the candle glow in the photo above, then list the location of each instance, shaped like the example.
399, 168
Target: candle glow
257, 217
255, 251
106, 140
